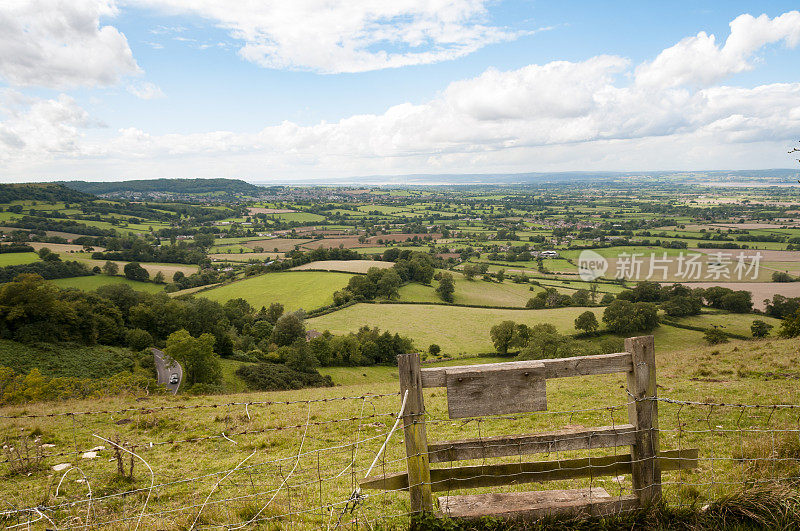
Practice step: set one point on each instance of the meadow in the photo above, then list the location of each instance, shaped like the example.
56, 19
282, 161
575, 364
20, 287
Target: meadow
7, 259
92, 282
295, 472
295, 290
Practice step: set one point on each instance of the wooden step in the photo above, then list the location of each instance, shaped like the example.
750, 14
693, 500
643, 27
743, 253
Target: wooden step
536, 504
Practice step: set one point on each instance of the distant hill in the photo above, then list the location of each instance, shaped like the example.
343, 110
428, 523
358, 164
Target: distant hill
42, 192
166, 186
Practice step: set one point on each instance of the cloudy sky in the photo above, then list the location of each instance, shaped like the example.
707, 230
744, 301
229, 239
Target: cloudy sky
261, 89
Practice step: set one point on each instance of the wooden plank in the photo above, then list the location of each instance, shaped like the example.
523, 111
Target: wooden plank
537, 504
416, 440
555, 368
549, 442
643, 413
468, 477
495, 390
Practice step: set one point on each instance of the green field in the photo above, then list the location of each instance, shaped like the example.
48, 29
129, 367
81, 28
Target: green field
93, 282
474, 292
303, 289
458, 330
7, 259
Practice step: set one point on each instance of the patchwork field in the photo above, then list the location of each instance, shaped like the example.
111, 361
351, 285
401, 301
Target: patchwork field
7, 259
458, 330
295, 290
93, 282
346, 266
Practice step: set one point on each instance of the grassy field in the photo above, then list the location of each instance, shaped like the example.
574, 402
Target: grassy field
191, 449
93, 282
307, 289
7, 259
473, 292
345, 266
458, 330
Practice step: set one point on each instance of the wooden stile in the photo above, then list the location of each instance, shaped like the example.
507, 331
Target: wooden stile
520, 387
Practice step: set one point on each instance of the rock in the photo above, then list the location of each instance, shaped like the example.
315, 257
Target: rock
62, 466
89, 455
48, 445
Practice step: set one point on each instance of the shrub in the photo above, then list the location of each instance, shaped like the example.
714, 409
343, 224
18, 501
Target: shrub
715, 336
279, 377
760, 329
138, 339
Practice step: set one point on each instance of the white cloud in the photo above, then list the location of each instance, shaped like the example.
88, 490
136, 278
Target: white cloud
146, 91
61, 43
35, 128
334, 36
557, 116
700, 61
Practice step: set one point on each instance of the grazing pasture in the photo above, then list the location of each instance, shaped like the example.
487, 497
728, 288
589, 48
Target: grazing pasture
345, 266
90, 283
7, 259
295, 290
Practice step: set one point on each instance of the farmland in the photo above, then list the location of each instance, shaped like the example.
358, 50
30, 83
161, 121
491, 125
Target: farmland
306, 289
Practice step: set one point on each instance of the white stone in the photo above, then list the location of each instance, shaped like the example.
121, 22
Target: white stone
62, 466
89, 455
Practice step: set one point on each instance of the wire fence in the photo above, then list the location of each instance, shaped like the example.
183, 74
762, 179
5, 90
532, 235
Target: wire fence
298, 464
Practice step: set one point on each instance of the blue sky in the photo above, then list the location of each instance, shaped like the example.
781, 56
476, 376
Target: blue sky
97, 89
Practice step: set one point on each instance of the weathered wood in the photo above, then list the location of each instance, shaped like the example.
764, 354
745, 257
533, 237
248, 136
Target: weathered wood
555, 368
416, 440
468, 477
495, 390
537, 504
549, 442
643, 414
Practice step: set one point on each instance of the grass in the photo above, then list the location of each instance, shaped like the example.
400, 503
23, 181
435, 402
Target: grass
307, 289
345, 266
729, 322
65, 359
93, 282
7, 259
458, 330
730, 376
473, 292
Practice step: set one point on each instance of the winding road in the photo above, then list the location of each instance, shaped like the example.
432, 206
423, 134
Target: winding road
165, 371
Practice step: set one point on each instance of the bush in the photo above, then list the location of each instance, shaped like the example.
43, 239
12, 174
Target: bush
780, 276
760, 329
715, 336
434, 349
278, 377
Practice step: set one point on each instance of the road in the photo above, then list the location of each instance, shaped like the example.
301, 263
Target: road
166, 371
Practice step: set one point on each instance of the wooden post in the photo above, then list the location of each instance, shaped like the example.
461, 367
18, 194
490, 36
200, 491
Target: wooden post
419, 470
643, 415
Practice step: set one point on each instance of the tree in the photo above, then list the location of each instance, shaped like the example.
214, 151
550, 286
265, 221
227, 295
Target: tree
790, 326
781, 276
138, 339
204, 240
388, 284
159, 278
545, 342
434, 349
738, 302
624, 317
111, 268
469, 271
502, 336
288, 329
587, 321
580, 298
134, 271
446, 287
760, 329
500, 275
274, 312
48, 256
196, 356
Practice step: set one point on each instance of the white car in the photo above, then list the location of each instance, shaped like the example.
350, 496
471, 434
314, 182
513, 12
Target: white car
173, 379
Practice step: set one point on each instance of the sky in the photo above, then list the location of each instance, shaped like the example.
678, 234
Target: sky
313, 89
